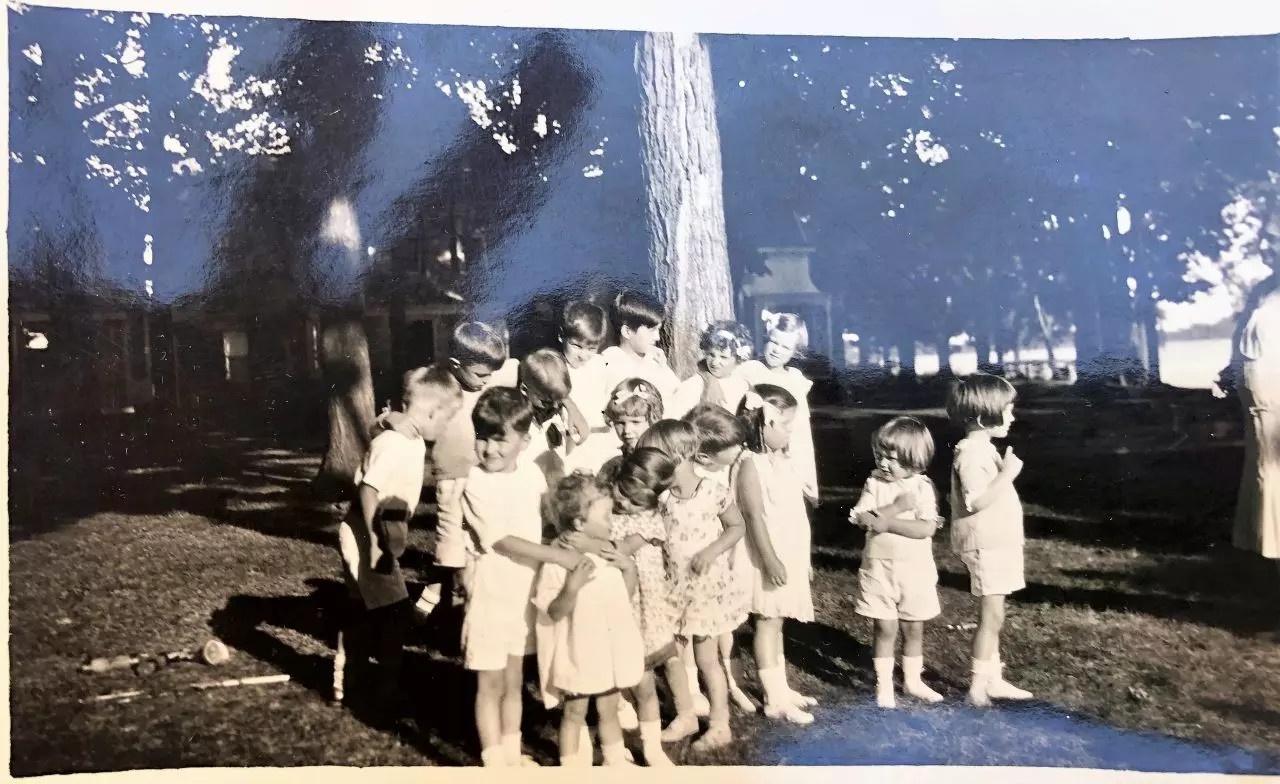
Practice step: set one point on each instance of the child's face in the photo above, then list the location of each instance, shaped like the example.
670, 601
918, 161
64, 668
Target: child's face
777, 430
716, 462
889, 464
641, 340
473, 377
781, 348
431, 416
629, 430
720, 362
498, 453
577, 352
599, 518
542, 400
1001, 430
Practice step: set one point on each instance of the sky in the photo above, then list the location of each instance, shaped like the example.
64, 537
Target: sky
844, 144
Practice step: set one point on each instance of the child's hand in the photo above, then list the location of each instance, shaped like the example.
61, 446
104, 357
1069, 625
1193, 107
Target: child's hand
903, 503
623, 562
577, 424
701, 562
375, 554
1012, 465
774, 572
877, 523
399, 422
579, 575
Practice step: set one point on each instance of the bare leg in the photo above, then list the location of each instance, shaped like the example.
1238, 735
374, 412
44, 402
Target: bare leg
573, 720
513, 710
490, 686
707, 651
739, 697
686, 721
615, 753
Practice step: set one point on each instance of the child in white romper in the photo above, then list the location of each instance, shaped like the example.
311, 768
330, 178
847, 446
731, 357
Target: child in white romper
898, 581
986, 521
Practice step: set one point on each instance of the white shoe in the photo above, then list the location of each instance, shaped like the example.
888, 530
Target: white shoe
627, 715
789, 712
1000, 689
921, 691
741, 698
680, 728
885, 698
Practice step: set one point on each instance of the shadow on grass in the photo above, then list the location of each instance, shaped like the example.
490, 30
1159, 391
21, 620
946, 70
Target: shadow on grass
439, 693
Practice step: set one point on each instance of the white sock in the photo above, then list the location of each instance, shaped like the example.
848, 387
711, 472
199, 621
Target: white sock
884, 682
983, 675
429, 599
803, 700
913, 683
651, 742
494, 757
512, 747
615, 754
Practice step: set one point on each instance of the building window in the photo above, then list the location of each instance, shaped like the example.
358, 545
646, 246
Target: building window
235, 353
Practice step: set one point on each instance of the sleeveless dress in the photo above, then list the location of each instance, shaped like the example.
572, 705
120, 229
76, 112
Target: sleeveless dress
787, 523
714, 602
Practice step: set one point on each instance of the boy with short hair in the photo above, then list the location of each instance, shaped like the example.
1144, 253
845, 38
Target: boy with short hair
502, 509
639, 318
373, 535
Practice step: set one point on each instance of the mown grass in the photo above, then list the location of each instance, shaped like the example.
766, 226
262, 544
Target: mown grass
1136, 614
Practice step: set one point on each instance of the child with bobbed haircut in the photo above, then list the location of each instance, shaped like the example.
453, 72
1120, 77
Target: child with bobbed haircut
589, 644
898, 580
584, 327
633, 407
986, 521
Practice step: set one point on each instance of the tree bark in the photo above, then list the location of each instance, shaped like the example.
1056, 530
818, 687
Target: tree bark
348, 378
681, 157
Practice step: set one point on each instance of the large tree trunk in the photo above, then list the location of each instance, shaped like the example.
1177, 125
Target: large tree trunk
681, 141
349, 381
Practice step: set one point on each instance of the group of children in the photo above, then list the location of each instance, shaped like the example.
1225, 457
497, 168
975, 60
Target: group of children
621, 523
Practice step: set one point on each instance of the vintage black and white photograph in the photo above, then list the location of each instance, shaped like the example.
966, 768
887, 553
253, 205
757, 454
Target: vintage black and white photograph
405, 394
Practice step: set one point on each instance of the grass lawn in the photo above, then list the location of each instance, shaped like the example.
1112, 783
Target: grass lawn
1136, 614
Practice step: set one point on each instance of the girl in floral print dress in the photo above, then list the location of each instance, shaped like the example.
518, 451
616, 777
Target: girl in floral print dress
703, 528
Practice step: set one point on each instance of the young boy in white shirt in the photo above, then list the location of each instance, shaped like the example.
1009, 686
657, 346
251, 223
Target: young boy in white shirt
639, 318
502, 512
373, 536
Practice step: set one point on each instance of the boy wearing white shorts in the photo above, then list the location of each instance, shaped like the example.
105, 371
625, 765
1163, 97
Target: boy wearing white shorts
502, 515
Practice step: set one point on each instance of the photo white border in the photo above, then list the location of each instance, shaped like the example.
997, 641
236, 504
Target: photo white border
942, 19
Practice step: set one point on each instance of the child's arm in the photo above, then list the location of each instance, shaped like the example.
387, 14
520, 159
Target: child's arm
567, 599
631, 545
630, 576
577, 424
973, 476
397, 421
734, 528
515, 547
750, 505
368, 510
